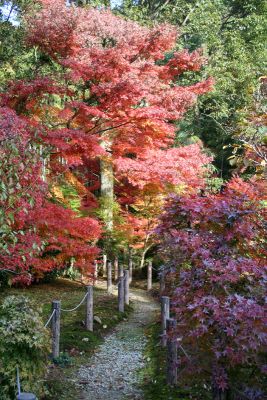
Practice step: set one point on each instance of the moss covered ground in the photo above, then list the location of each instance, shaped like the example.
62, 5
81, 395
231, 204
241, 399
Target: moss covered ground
154, 375
76, 344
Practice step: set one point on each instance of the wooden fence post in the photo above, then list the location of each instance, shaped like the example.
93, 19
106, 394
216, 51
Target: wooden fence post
116, 268
55, 328
162, 282
149, 275
104, 265
165, 314
171, 353
109, 278
126, 287
218, 394
89, 321
121, 294
120, 271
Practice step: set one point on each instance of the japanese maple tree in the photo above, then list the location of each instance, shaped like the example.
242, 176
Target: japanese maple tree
117, 100
21, 191
36, 236
146, 181
215, 249
107, 110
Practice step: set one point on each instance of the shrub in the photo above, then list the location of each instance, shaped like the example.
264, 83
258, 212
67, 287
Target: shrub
215, 246
23, 344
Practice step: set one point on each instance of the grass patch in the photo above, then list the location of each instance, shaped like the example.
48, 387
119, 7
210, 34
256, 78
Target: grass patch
76, 344
154, 374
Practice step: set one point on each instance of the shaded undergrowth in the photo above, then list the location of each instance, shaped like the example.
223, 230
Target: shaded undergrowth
76, 343
154, 375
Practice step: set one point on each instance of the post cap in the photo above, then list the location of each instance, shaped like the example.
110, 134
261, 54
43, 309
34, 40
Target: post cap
26, 396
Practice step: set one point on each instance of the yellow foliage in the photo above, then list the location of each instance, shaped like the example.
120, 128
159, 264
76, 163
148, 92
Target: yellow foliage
72, 179
57, 193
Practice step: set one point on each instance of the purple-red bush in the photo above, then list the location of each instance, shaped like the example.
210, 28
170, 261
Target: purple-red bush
215, 246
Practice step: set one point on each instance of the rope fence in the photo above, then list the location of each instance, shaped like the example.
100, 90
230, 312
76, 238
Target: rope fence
123, 278
168, 324
123, 282
75, 308
54, 318
49, 319
10, 271
107, 271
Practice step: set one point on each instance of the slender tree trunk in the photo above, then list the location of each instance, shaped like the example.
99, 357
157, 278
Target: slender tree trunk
107, 188
143, 256
142, 262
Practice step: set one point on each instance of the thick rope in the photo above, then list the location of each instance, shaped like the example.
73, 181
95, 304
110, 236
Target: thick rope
123, 279
75, 308
49, 319
185, 353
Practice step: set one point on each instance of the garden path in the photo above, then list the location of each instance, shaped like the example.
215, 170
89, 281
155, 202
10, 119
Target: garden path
113, 372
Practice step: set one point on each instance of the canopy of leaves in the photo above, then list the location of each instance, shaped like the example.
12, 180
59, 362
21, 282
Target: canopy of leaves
109, 98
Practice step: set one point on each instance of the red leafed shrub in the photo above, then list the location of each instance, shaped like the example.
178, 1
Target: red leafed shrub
65, 236
21, 191
35, 235
215, 246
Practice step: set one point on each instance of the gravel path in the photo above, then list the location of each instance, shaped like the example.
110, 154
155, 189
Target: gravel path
113, 370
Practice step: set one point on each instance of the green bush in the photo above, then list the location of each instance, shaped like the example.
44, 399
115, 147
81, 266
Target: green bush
23, 344
63, 360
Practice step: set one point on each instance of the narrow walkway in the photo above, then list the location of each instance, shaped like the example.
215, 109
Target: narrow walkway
113, 370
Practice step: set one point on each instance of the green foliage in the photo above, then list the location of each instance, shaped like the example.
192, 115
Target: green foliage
232, 34
69, 271
116, 238
23, 344
72, 197
75, 340
63, 360
17, 60
106, 205
213, 181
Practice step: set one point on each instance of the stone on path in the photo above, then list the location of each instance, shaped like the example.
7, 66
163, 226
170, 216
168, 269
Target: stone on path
113, 372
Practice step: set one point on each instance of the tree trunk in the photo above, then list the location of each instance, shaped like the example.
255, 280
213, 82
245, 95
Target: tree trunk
143, 256
107, 188
142, 262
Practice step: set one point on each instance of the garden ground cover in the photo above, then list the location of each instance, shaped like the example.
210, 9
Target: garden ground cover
76, 344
